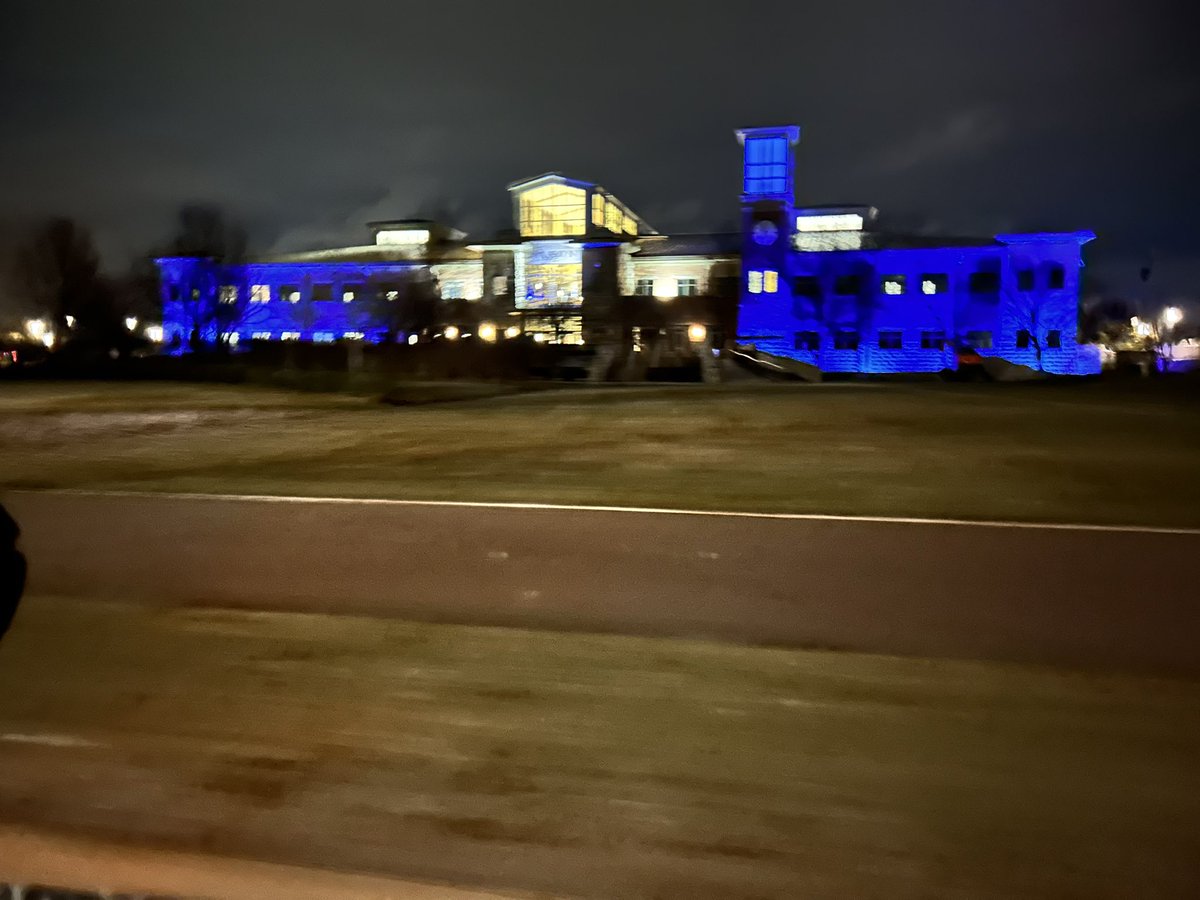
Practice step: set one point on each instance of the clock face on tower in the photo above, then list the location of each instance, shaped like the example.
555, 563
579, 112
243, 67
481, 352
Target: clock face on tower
765, 233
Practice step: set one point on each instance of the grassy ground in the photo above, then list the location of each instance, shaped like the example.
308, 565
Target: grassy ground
611, 766
1073, 452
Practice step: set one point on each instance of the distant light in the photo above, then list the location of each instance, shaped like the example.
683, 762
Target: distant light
154, 334
70, 321
1172, 316
234, 337
404, 237
697, 333
48, 339
539, 338
487, 331
665, 288
512, 331
412, 340
841, 222
928, 287
451, 333
36, 328
131, 323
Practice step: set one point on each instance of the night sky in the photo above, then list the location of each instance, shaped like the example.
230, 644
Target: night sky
305, 120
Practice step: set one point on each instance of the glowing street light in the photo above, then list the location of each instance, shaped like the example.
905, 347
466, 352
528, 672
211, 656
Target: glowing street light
36, 329
487, 331
451, 333
131, 323
512, 331
697, 333
1172, 316
154, 334
412, 340
70, 321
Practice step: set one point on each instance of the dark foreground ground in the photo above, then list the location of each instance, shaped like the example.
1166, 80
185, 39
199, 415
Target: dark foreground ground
600, 766
1099, 599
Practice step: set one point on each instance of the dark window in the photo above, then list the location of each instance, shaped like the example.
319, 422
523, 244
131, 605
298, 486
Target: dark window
892, 284
845, 340
322, 292
847, 284
933, 340
644, 287
980, 340
1023, 339
984, 282
891, 340
290, 293
1025, 280
686, 287
173, 292
1055, 278
807, 286
1054, 339
807, 340
934, 283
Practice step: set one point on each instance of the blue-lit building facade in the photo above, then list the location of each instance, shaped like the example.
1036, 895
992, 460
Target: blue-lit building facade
822, 286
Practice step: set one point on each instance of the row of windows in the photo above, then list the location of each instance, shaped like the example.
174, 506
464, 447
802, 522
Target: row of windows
290, 293
930, 340
930, 283
684, 287
762, 281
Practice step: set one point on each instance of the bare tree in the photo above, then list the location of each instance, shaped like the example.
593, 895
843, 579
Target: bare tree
408, 306
58, 271
1027, 312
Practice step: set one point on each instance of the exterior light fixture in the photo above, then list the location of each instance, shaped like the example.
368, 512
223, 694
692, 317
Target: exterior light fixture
697, 333
412, 340
539, 338
487, 331
154, 334
70, 321
451, 333
512, 331
131, 323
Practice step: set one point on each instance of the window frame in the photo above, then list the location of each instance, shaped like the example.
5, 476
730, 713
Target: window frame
893, 334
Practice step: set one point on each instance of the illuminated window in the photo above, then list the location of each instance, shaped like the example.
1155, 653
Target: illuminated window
353, 335
1056, 278
553, 209
766, 165
351, 292
630, 225
1024, 339
322, 292
845, 340
770, 281
754, 281
847, 284
290, 293
1054, 339
934, 284
598, 210
891, 340
980, 340
613, 217
289, 336
261, 336
808, 340
1025, 280
229, 293
260, 293
686, 287
933, 340
322, 337
388, 291
452, 290
644, 287
983, 282
893, 284
807, 286
499, 285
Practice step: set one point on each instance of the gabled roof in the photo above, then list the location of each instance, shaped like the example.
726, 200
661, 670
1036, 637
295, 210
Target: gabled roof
550, 178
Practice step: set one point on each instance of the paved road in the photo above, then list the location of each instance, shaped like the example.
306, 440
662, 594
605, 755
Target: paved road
1109, 599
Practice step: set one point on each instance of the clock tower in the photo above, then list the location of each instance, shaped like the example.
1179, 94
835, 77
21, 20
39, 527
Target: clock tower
768, 214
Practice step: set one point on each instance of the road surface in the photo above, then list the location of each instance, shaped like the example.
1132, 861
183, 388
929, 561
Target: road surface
1110, 599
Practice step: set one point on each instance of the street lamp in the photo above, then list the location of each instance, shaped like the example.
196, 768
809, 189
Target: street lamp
1172, 316
131, 323
487, 331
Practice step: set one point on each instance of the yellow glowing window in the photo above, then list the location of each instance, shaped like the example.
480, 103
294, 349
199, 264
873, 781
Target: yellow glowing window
598, 210
553, 210
613, 218
260, 293
630, 225
754, 281
770, 281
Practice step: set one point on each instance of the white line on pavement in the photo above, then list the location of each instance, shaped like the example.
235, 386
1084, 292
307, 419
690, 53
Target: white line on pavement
646, 510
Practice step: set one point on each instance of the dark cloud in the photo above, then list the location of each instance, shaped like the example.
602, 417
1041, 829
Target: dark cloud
308, 119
